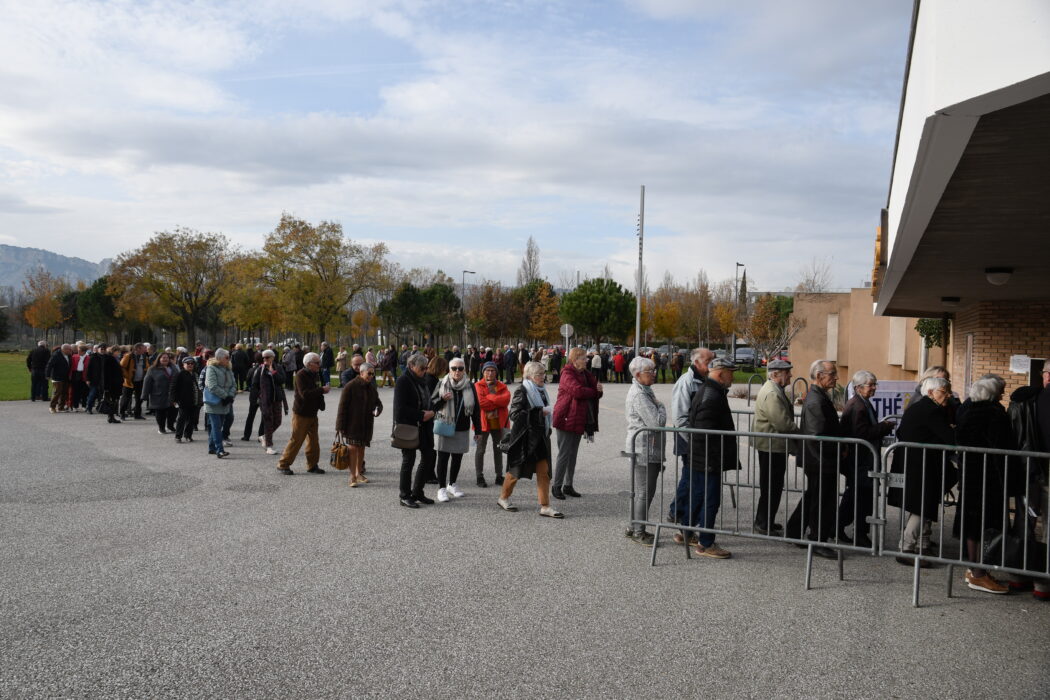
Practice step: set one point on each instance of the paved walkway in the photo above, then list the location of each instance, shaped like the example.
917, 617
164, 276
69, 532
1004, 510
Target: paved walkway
134, 567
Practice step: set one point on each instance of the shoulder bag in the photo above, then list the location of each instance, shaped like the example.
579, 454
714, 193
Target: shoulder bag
405, 436
443, 427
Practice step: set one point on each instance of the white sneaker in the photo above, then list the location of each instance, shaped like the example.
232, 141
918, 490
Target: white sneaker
548, 512
227, 443
442, 495
505, 504
271, 451
455, 491
262, 440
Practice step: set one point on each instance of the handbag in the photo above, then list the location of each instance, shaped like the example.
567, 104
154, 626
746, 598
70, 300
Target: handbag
210, 398
443, 427
339, 457
405, 436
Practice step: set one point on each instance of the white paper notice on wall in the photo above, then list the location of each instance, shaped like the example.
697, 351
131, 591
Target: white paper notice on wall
1020, 364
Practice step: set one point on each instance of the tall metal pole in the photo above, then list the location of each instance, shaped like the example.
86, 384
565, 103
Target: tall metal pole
736, 305
463, 306
638, 297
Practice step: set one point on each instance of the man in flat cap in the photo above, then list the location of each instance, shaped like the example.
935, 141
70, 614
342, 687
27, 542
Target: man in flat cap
773, 414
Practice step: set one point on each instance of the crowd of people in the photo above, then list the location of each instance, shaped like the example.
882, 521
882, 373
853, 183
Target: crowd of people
443, 402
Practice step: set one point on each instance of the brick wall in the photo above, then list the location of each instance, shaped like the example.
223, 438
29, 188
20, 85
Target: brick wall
1000, 329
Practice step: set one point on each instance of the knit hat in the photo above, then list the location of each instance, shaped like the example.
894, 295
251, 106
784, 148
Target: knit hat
489, 365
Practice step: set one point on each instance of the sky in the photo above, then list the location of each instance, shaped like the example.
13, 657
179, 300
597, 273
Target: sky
452, 130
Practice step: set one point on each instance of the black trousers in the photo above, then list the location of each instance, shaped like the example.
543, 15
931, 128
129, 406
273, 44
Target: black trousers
126, 395
165, 418
771, 469
816, 511
444, 477
248, 424
186, 421
857, 499
241, 375
412, 485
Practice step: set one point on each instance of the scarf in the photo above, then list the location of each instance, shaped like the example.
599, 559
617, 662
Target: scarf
537, 396
448, 411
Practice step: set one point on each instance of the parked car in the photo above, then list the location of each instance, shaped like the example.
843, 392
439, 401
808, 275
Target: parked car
745, 357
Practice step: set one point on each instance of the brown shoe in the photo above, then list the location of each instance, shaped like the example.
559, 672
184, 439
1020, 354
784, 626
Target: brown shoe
985, 583
354, 483
714, 551
679, 538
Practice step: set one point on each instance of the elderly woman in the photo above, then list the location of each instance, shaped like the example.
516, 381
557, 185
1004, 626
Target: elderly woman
575, 412
494, 401
273, 403
220, 387
412, 406
860, 421
188, 396
773, 414
340, 360
644, 410
983, 488
529, 444
156, 389
359, 405
456, 403
111, 377
927, 474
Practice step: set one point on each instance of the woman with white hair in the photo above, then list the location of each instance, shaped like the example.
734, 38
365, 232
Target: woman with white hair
928, 473
272, 399
456, 402
984, 487
644, 410
528, 447
359, 405
220, 387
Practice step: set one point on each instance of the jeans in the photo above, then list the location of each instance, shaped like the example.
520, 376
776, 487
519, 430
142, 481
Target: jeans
771, 468
214, 433
565, 465
479, 454
703, 495
646, 477
411, 486
326, 376
92, 396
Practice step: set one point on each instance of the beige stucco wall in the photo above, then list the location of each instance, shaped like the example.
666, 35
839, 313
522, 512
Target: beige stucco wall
891, 348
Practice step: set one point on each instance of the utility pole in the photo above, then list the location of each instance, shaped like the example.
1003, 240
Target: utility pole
638, 298
736, 305
463, 307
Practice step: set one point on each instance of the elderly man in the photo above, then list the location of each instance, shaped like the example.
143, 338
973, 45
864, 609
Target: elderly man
820, 461
773, 414
859, 420
510, 361
36, 363
327, 362
352, 371
309, 399
709, 456
57, 370
681, 396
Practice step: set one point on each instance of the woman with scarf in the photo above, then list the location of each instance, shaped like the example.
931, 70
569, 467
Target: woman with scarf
456, 403
412, 407
156, 389
529, 445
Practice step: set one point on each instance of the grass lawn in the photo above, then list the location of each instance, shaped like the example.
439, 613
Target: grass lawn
14, 379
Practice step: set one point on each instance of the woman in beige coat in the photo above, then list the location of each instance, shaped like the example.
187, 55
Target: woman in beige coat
773, 414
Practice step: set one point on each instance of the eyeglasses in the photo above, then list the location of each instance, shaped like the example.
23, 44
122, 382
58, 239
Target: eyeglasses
648, 371
456, 369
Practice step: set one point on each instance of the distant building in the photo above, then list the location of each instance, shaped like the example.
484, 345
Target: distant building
965, 233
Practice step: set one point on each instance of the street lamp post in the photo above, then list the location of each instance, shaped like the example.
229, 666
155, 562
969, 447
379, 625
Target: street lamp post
736, 306
463, 305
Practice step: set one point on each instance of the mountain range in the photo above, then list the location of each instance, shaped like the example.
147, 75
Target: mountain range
16, 263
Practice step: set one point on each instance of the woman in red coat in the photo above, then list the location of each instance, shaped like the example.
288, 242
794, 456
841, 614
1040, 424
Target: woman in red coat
575, 413
494, 400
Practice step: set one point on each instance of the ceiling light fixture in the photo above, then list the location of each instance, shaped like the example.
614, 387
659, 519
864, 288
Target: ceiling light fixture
998, 275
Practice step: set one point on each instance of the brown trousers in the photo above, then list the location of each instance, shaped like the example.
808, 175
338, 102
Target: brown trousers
58, 396
543, 483
303, 428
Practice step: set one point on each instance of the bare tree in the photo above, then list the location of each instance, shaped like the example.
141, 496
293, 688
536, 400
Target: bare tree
566, 280
815, 277
530, 264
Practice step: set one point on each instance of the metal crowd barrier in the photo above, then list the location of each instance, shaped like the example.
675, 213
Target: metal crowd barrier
740, 519
1004, 491
1020, 507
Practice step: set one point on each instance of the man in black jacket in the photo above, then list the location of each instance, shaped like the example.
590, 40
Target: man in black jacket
240, 362
253, 403
412, 393
36, 363
709, 455
57, 371
327, 362
510, 362
820, 461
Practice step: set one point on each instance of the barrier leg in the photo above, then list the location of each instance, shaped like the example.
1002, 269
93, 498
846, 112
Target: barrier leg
915, 585
842, 576
732, 496
809, 565
656, 543
951, 575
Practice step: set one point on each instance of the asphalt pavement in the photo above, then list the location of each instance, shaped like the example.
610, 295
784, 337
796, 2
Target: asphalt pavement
131, 566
